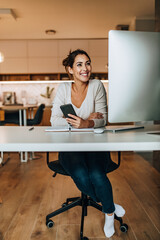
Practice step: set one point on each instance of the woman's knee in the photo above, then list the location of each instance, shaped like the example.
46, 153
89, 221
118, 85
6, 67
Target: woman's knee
81, 179
80, 175
98, 178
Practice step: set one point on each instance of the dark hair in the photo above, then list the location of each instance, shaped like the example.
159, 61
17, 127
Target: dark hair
69, 60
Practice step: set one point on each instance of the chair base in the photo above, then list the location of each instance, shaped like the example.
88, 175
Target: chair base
83, 201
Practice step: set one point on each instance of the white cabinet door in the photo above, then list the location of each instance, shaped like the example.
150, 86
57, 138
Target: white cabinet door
42, 48
98, 47
66, 45
13, 48
99, 64
14, 65
42, 65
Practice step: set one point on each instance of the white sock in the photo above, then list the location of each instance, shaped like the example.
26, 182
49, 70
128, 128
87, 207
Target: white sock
109, 225
119, 210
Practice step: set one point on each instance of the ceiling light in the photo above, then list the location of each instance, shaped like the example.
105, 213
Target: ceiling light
50, 32
7, 12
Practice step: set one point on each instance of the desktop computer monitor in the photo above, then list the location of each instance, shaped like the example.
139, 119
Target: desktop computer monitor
134, 76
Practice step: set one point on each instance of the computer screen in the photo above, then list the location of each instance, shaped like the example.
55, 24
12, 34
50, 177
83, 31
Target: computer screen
134, 76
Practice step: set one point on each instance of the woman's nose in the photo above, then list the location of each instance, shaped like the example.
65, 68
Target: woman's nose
84, 67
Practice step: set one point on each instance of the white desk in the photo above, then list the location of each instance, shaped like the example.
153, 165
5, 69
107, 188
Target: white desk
14, 139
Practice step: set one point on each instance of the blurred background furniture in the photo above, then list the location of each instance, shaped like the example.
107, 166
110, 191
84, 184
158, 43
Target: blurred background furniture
14, 116
38, 116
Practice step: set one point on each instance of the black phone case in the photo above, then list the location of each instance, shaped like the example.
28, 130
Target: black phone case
66, 109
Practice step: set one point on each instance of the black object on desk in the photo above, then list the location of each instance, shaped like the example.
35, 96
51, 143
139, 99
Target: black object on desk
30, 129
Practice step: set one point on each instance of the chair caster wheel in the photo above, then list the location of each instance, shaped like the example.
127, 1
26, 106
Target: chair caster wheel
49, 223
124, 227
84, 238
64, 204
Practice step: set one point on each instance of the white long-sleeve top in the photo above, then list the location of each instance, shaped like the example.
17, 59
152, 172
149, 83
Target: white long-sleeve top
95, 101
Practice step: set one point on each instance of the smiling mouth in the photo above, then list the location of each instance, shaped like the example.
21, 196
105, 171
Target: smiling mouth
84, 74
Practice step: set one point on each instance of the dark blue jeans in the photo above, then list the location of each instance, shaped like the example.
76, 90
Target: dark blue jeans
88, 171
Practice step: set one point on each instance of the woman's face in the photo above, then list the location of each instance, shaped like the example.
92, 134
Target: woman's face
81, 69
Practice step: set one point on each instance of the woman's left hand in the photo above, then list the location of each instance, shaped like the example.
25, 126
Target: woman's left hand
95, 115
78, 122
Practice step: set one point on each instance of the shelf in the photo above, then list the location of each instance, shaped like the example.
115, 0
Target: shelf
46, 76
14, 77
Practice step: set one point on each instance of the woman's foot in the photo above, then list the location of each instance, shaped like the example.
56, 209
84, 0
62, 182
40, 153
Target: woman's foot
109, 225
119, 210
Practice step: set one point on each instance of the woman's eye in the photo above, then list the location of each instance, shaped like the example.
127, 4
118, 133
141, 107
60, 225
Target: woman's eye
88, 63
79, 65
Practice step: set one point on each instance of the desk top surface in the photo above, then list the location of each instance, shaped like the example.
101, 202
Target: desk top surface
21, 139
16, 107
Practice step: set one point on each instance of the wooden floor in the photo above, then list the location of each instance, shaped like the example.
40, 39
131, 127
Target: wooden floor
29, 193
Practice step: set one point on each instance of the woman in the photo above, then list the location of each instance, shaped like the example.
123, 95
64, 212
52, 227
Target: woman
87, 169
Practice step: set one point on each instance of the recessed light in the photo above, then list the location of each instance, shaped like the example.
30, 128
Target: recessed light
50, 32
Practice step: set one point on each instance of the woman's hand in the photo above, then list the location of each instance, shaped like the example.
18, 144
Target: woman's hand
95, 115
78, 122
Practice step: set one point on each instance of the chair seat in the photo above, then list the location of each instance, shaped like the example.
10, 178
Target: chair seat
57, 167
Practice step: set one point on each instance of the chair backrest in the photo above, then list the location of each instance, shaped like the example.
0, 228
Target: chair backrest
11, 117
38, 116
111, 164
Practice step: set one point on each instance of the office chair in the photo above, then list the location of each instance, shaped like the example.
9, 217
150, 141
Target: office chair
13, 117
83, 201
38, 116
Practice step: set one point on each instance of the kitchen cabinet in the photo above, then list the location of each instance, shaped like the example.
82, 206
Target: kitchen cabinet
40, 59
46, 116
1, 115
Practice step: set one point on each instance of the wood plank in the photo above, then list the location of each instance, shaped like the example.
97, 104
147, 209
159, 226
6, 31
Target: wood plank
30, 193
27, 198
143, 192
150, 176
50, 202
138, 219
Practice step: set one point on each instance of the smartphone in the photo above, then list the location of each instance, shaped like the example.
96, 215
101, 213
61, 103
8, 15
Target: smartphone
68, 109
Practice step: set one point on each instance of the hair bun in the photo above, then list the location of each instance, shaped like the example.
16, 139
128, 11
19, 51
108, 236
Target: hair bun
65, 62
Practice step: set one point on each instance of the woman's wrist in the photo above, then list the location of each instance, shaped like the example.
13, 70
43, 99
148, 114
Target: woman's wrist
90, 123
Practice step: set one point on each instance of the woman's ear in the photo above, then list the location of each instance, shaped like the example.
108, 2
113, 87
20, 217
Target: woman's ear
70, 70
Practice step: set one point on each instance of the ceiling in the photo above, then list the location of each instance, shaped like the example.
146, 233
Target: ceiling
70, 18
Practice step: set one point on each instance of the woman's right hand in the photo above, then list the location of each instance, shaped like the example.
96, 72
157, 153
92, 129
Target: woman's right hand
78, 122
95, 115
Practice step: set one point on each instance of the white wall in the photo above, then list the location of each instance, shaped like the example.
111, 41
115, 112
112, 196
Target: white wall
32, 89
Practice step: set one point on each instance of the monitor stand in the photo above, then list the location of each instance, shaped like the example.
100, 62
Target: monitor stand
122, 128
